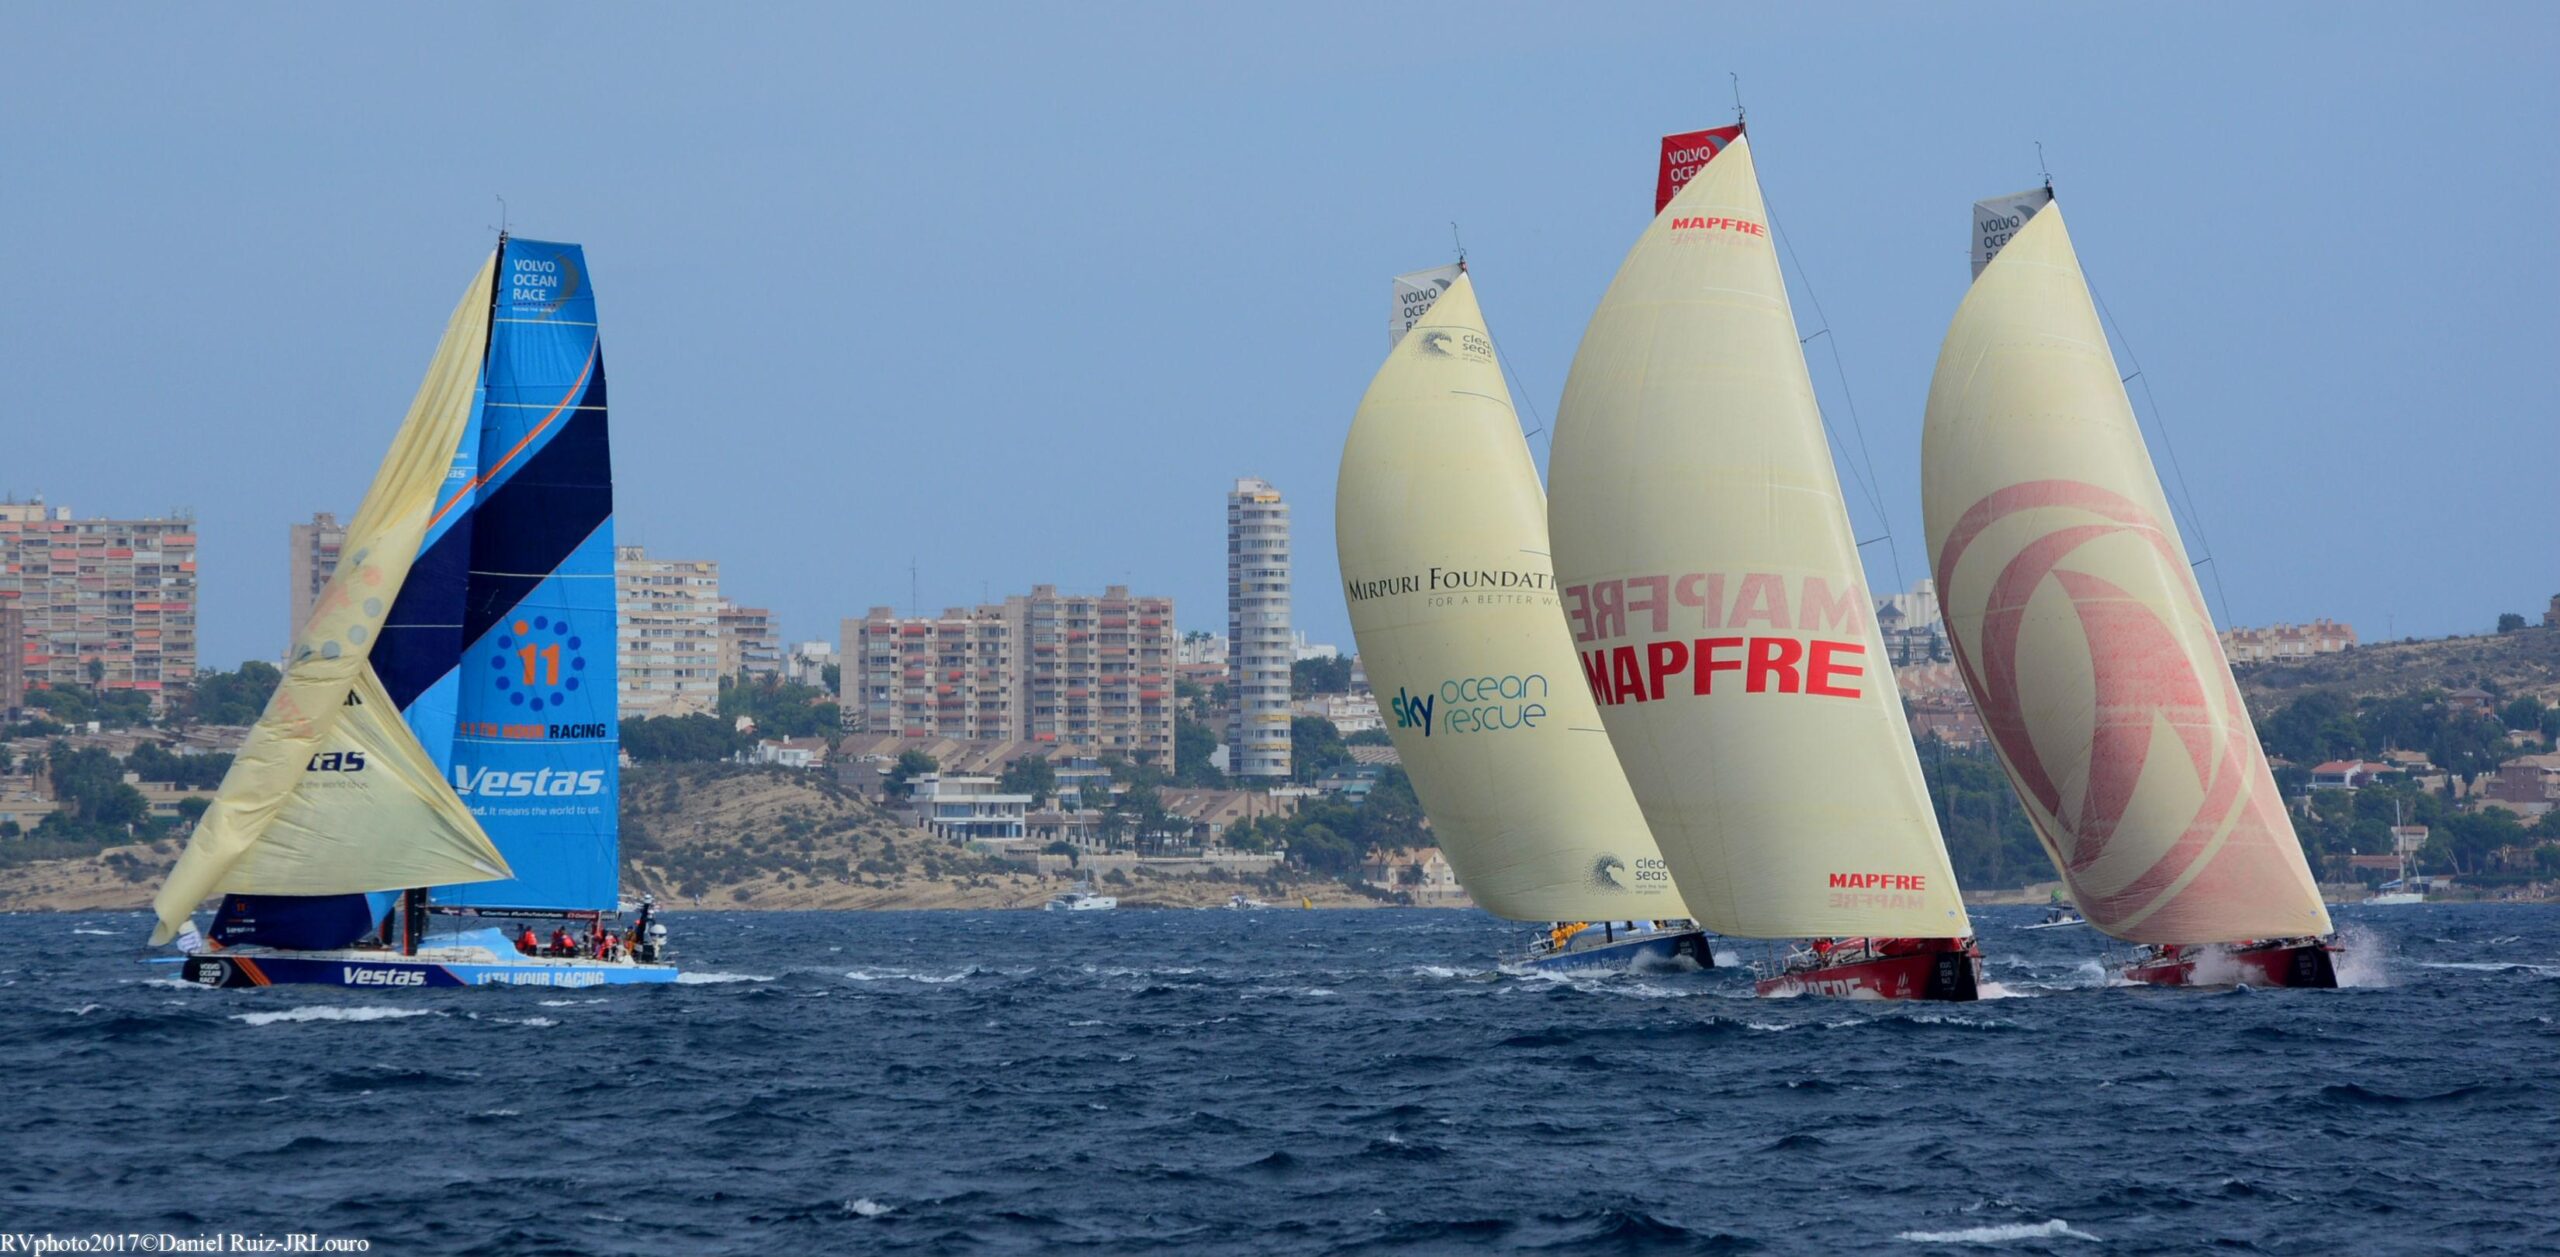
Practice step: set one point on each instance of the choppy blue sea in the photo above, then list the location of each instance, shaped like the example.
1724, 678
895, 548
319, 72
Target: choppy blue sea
1290, 1082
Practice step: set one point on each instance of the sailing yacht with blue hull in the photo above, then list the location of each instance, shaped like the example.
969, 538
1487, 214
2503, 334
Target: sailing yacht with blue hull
493, 794
1625, 946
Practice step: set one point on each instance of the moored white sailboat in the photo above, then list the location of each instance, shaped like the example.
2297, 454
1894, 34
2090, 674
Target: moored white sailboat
2079, 627
1714, 590
386, 769
1442, 534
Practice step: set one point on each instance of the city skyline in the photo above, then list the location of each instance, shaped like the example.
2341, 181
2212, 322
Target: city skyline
273, 307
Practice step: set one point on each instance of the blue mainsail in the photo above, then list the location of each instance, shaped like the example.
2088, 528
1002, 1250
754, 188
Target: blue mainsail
535, 734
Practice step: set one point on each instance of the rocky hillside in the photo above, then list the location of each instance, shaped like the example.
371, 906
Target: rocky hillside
728, 836
2523, 662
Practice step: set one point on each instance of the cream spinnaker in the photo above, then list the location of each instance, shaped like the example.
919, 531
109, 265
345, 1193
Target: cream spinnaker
1713, 586
2078, 624
1442, 532
280, 824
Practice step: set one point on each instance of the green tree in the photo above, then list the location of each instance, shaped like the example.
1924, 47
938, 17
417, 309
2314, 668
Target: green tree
191, 809
230, 698
781, 709
1032, 775
833, 676
1331, 675
1368, 737
2525, 713
681, 739
1194, 746
911, 765
1315, 748
2509, 622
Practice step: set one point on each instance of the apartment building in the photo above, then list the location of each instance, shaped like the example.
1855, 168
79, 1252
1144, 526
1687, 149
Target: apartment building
13, 663
2286, 641
669, 613
1088, 671
311, 552
1259, 645
750, 642
946, 676
1098, 672
110, 602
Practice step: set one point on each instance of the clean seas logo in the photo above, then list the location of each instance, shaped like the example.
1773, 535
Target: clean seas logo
1611, 873
1443, 343
538, 663
542, 284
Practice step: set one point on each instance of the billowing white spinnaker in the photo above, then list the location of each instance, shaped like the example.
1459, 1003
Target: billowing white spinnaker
1712, 585
1443, 540
2079, 627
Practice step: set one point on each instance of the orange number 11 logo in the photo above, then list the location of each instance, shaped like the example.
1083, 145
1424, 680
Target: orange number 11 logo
550, 658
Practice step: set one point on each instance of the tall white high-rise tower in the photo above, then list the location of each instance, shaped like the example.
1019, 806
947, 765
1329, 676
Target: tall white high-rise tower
1259, 651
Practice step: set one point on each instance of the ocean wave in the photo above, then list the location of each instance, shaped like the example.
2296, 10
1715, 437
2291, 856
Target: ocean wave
716, 979
2053, 1229
865, 1207
908, 975
331, 1012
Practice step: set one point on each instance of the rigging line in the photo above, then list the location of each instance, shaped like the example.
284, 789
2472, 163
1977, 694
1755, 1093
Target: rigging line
1866, 478
2152, 402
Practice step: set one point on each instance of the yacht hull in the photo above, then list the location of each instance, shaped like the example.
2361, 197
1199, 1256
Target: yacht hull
1640, 951
375, 970
2293, 962
1941, 969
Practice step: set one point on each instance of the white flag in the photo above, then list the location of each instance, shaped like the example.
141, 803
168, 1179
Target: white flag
1998, 219
1414, 293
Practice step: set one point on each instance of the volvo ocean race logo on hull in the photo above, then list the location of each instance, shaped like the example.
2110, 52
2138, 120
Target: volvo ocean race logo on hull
492, 783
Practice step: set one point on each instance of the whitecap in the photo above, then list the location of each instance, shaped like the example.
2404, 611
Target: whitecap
96, 933
330, 1012
714, 979
865, 1207
2054, 1229
903, 975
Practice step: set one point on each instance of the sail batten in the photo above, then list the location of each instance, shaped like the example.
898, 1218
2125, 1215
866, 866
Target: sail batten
331, 793
2078, 625
1442, 534
1713, 588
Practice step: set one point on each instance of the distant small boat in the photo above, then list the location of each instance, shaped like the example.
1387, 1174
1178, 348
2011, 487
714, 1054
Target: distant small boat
2059, 916
1080, 898
1241, 903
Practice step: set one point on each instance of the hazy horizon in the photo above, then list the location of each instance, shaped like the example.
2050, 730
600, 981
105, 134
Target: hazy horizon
1014, 295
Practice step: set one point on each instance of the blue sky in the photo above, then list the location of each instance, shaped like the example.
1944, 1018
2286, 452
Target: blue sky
1013, 292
